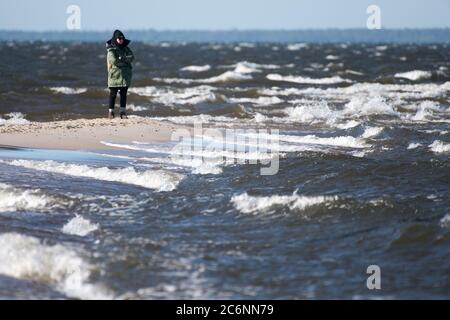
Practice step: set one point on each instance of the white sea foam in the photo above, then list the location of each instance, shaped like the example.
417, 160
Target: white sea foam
367, 105
245, 68
413, 145
153, 179
277, 91
213, 47
296, 46
414, 75
371, 132
79, 226
331, 57
67, 90
421, 115
196, 68
260, 101
254, 204
337, 107
261, 118
425, 110
185, 151
381, 48
262, 142
224, 77
339, 141
307, 113
228, 76
14, 118
200, 118
359, 153
429, 105
250, 67
439, 147
136, 108
356, 73
296, 143
207, 168
357, 106
445, 221
348, 125
247, 45
173, 96
306, 80
195, 164
25, 257
433, 131
396, 92
16, 199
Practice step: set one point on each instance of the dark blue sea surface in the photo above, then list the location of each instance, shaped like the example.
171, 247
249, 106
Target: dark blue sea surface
362, 144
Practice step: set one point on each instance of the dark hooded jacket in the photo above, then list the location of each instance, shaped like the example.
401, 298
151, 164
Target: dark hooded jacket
119, 59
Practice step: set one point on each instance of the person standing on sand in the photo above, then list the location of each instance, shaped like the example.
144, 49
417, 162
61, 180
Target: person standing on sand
119, 59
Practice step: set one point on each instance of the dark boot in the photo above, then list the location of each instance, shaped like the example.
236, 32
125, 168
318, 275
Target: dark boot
111, 115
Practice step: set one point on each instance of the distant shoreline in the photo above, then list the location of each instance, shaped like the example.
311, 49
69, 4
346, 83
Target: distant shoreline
435, 35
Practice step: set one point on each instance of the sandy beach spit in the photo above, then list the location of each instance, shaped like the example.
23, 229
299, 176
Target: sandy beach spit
85, 134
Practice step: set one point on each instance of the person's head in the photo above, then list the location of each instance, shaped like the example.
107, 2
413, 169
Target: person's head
118, 38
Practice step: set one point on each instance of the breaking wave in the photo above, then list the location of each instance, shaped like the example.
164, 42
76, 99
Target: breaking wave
67, 90
18, 199
14, 118
306, 80
79, 226
224, 77
196, 68
439, 147
173, 96
25, 257
254, 204
153, 179
414, 75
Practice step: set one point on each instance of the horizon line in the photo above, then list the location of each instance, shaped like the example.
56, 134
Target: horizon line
232, 30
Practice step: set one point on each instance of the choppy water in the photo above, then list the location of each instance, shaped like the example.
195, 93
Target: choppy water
363, 175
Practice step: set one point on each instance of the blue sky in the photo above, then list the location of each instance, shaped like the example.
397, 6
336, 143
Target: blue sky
228, 14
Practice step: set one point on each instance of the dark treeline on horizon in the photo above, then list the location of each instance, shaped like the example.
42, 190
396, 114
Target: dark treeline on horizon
227, 36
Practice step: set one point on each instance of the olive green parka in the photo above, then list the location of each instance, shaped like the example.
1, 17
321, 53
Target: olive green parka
119, 63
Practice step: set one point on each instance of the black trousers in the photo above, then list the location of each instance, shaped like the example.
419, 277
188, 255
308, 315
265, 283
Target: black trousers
113, 95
